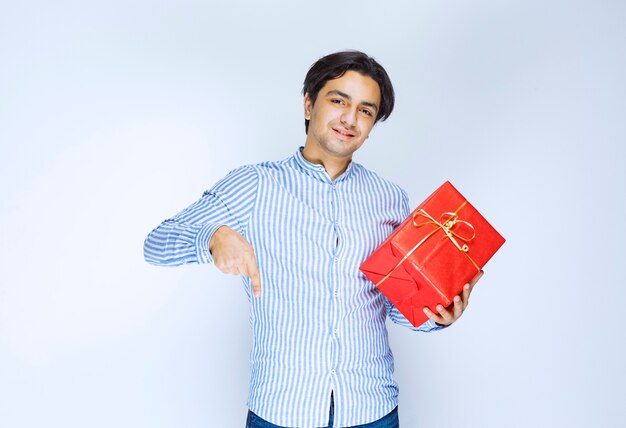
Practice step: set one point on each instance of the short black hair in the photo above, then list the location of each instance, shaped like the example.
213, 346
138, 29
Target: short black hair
334, 66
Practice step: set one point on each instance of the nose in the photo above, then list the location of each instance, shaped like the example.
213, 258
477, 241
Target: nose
348, 118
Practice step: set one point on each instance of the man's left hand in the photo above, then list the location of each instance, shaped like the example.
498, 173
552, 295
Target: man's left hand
447, 316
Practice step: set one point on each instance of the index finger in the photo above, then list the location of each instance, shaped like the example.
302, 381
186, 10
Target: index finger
255, 277
437, 318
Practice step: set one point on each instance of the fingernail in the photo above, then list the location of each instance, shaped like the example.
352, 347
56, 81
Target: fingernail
466, 286
425, 310
439, 308
457, 299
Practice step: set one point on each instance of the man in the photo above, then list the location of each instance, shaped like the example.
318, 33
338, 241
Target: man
297, 231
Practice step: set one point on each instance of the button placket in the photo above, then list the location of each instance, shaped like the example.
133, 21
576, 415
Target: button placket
334, 336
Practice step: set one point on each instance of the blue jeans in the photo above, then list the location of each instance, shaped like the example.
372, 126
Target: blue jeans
388, 421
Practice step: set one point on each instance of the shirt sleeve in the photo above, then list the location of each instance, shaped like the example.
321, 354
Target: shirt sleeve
185, 237
397, 317
393, 312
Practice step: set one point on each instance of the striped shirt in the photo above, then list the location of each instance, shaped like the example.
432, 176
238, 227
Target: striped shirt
319, 325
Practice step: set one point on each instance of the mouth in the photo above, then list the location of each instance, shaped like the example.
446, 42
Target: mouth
343, 133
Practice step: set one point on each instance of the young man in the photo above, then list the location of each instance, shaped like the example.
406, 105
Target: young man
297, 231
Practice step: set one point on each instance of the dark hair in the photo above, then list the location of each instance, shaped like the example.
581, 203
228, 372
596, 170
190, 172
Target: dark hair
336, 64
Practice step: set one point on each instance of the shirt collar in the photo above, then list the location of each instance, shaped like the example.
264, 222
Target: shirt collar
318, 171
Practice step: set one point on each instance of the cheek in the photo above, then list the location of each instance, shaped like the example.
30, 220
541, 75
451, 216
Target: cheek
366, 129
318, 116
323, 121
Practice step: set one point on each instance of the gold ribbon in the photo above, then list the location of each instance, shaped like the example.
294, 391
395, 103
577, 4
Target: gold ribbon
447, 222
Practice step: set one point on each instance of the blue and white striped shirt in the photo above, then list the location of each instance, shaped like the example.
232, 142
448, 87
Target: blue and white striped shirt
319, 325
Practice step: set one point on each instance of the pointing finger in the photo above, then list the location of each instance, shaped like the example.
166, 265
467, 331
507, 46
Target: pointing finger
256, 284
255, 277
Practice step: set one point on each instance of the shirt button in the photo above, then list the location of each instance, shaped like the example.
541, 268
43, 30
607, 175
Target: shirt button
333, 371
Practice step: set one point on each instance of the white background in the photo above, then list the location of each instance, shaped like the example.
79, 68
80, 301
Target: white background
115, 115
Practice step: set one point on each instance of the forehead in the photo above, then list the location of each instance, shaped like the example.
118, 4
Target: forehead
360, 87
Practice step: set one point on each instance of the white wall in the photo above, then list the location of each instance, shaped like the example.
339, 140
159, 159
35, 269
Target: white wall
115, 115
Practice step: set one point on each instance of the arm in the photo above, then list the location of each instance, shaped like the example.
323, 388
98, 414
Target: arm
185, 237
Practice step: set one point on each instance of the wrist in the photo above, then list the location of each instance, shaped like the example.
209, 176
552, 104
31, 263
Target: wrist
216, 237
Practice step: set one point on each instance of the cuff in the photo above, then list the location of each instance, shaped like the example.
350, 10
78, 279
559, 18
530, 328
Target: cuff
431, 325
202, 242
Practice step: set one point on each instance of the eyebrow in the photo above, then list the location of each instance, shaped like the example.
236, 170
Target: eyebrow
349, 98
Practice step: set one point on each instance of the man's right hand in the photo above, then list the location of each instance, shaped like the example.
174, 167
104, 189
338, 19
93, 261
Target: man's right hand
233, 254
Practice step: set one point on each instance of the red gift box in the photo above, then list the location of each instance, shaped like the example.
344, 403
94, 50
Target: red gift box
428, 259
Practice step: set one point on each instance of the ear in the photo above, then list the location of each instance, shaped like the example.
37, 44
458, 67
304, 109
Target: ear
308, 106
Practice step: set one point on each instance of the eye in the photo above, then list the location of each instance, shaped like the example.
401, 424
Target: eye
367, 112
337, 101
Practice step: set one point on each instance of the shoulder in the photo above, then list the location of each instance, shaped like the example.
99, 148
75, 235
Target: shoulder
252, 172
373, 179
243, 173
274, 165
274, 168
241, 177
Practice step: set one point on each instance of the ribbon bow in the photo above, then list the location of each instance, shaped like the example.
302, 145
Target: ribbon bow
448, 221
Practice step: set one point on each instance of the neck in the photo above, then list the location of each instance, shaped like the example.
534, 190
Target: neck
334, 166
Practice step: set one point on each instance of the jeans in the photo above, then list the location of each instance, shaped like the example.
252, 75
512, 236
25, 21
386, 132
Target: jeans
388, 421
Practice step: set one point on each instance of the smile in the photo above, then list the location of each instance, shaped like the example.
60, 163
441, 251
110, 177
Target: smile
344, 134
